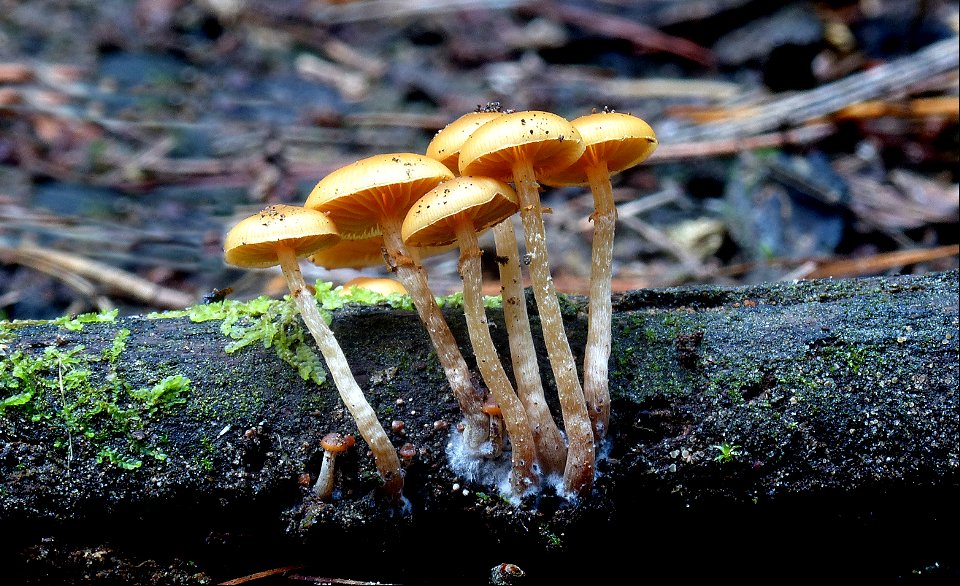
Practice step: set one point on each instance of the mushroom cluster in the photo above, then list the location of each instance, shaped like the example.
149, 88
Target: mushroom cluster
476, 174
529, 148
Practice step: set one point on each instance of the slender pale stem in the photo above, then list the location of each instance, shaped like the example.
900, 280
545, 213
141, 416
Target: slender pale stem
578, 473
596, 356
323, 489
523, 450
551, 451
414, 279
384, 454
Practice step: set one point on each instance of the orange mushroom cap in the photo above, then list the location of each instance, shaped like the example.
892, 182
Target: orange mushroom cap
446, 144
357, 195
335, 442
433, 219
620, 140
548, 141
382, 285
253, 242
490, 407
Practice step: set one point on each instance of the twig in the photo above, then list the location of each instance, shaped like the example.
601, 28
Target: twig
642, 36
814, 268
259, 575
348, 582
368, 10
879, 262
661, 240
794, 110
696, 149
118, 280
78, 283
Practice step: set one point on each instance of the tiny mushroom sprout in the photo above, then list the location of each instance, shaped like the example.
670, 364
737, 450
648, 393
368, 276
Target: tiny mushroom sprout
614, 142
333, 444
551, 449
281, 234
495, 414
371, 197
521, 146
457, 210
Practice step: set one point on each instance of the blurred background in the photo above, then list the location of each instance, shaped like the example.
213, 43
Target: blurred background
797, 139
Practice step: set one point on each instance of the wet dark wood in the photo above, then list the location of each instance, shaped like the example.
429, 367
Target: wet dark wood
838, 399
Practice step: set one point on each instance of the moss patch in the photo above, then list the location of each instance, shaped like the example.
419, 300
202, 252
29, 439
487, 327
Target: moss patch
84, 401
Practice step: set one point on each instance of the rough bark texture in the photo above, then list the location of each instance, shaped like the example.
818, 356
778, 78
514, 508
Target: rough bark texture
837, 401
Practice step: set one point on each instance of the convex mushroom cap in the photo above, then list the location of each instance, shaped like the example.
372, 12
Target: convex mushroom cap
383, 285
358, 195
446, 144
548, 141
335, 442
254, 241
483, 201
620, 141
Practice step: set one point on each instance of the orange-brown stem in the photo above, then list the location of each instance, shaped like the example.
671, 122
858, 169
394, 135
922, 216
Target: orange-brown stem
596, 356
551, 450
414, 279
578, 473
384, 454
523, 450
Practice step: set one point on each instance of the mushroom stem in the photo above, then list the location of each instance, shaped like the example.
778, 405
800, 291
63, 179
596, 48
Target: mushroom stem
384, 454
523, 451
578, 473
551, 451
323, 489
597, 351
414, 279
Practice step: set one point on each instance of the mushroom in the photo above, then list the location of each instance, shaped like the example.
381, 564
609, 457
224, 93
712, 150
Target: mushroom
456, 211
495, 415
551, 450
447, 142
333, 444
281, 234
370, 197
363, 253
614, 142
383, 285
521, 146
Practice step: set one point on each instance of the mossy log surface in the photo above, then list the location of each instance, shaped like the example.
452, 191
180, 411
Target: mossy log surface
836, 401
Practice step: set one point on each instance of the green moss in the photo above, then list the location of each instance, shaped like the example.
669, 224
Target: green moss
734, 395
205, 458
552, 539
76, 323
726, 452
276, 323
273, 323
84, 401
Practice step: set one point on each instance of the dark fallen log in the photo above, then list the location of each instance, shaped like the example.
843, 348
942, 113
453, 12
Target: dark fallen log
806, 429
